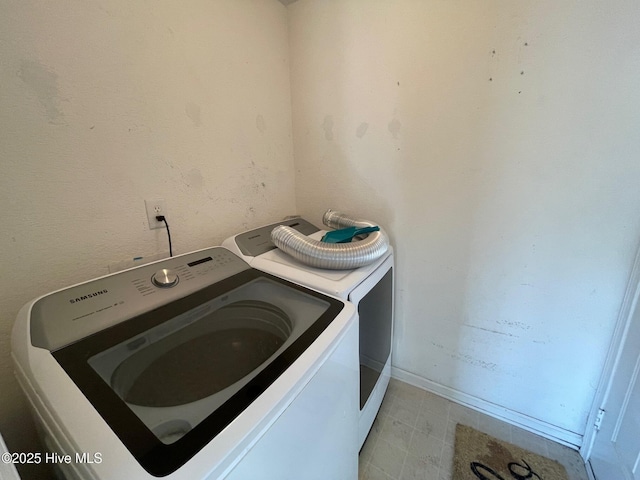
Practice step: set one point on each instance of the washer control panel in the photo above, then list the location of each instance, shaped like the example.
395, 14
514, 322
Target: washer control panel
67, 315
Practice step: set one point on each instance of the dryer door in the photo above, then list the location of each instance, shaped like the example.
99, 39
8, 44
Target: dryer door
374, 300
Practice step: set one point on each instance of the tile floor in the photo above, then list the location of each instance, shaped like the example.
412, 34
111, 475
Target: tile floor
413, 437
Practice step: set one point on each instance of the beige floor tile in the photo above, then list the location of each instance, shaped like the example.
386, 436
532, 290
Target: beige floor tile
435, 404
464, 415
374, 473
397, 433
362, 467
450, 434
389, 458
432, 424
446, 459
406, 409
387, 404
426, 447
376, 428
366, 452
416, 468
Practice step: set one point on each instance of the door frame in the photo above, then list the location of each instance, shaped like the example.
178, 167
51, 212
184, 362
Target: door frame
629, 304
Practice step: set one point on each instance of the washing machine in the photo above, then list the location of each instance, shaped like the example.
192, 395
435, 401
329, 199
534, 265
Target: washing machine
193, 367
370, 288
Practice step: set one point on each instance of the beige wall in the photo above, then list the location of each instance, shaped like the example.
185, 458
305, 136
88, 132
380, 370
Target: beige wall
498, 142
106, 103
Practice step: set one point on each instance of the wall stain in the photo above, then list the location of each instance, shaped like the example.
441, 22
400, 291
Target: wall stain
193, 112
514, 324
394, 127
490, 331
194, 179
362, 129
260, 123
44, 84
327, 126
475, 362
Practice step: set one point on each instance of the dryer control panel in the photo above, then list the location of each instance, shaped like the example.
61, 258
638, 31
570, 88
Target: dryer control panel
258, 241
68, 315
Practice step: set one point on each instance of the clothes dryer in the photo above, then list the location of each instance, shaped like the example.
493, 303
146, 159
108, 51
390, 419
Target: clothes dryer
193, 367
370, 288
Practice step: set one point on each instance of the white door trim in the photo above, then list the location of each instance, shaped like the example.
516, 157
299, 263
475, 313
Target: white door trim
623, 322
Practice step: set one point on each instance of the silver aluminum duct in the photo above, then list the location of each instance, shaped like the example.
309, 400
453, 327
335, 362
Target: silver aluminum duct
335, 256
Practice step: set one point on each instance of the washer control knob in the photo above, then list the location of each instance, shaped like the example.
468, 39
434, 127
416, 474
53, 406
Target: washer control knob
165, 278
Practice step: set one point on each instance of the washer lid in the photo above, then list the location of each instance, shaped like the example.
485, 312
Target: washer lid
169, 380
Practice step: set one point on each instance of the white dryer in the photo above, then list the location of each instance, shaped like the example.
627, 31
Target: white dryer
370, 288
194, 367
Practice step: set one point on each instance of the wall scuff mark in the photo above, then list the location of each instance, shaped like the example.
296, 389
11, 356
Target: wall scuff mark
260, 123
327, 126
44, 84
193, 112
394, 127
362, 129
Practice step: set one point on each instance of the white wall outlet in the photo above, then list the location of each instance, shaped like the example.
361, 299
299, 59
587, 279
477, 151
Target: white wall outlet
154, 208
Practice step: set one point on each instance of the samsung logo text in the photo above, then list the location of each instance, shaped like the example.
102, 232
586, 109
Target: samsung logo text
87, 297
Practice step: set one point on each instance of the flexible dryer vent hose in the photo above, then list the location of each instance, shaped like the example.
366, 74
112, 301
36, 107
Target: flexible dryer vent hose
336, 256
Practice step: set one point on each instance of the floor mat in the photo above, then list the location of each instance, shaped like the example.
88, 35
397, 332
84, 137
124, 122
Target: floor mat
481, 456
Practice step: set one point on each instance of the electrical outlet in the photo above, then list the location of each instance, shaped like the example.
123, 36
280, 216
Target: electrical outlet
154, 208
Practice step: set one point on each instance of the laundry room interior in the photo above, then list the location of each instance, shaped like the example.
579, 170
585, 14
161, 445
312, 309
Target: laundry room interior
497, 144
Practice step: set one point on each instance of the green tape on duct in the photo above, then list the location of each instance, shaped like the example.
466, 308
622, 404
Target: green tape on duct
345, 235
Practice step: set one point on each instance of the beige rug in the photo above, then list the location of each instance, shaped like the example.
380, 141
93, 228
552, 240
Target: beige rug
480, 456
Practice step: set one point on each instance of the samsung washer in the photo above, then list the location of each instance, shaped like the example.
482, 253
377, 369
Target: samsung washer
370, 288
194, 367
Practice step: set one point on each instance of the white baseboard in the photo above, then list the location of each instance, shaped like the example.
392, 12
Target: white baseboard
547, 430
